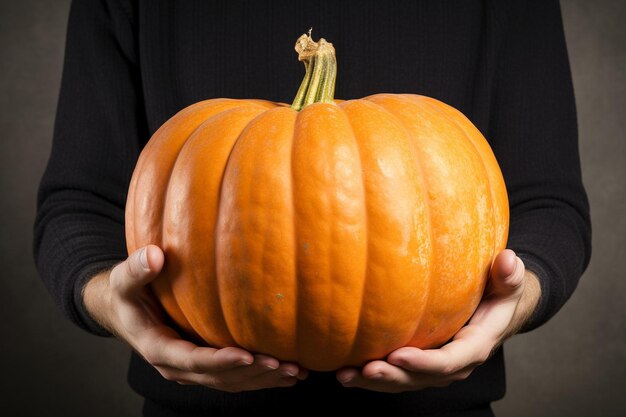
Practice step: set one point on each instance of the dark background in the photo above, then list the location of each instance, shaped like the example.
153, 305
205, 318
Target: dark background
575, 365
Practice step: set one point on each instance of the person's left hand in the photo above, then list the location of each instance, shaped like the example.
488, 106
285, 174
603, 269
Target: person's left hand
511, 296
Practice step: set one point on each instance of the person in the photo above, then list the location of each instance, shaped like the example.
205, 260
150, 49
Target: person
129, 66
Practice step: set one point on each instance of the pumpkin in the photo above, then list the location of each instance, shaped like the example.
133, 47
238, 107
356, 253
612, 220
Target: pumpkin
328, 233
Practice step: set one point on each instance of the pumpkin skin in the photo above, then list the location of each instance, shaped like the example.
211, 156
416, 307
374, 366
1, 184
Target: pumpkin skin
329, 236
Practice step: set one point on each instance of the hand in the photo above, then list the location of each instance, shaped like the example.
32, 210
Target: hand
510, 298
124, 304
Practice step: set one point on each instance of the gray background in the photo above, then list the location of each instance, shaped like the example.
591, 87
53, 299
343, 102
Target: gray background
575, 365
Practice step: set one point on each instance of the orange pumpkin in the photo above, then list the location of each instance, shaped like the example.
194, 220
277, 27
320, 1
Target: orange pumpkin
326, 233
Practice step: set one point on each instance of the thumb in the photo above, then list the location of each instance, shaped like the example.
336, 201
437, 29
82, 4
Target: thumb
507, 273
138, 270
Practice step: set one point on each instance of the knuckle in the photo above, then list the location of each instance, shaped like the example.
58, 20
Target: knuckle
449, 368
166, 374
392, 379
115, 281
196, 368
215, 382
154, 359
461, 376
483, 357
149, 356
517, 279
485, 353
118, 268
131, 265
193, 366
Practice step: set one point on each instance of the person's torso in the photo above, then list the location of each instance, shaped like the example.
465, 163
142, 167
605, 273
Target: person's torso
195, 50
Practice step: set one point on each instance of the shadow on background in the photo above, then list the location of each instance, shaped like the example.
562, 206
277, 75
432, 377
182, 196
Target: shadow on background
575, 365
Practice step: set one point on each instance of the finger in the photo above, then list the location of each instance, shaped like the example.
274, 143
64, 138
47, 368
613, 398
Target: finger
382, 376
141, 267
288, 369
231, 357
344, 375
466, 350
496, 309
267, 362
503, 264
264, 363
273, 379
382, 371
507, 274
385, 377
173, 374
235, 378
255, 377
246, 378
303, 373
161, 346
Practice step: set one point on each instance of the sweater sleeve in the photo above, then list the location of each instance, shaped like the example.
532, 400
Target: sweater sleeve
535, 139
100, 123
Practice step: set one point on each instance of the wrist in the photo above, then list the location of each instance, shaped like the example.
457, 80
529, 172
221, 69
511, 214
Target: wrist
527, 304
97, 300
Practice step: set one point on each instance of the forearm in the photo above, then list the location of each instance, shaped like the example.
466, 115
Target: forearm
77, 236
533, 133
99, 130
553, 240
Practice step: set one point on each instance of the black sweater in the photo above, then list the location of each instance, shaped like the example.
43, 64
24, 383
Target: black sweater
129, 66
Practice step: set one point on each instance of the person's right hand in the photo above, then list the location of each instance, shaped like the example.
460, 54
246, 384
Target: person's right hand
123, 303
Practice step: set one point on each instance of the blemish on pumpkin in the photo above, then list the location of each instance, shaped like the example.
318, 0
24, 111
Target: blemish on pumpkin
280, 297
306, 247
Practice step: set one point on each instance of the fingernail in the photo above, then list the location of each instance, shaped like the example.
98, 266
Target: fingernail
288, 372
244, 362
347, 376
376, 376
270, 366
345, 379
143, 258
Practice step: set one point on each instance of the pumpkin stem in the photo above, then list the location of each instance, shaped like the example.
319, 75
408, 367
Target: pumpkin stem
320, 63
